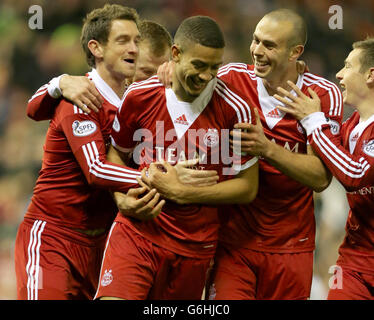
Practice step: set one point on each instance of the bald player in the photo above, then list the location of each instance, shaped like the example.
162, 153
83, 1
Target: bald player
267, 247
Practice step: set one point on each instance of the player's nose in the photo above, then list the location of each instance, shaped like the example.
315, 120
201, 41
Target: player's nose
206, 76
133, 47
258, 49
339, 75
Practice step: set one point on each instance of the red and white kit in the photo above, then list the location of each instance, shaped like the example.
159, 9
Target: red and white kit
281, 218
350, 157
71, 203
172, 130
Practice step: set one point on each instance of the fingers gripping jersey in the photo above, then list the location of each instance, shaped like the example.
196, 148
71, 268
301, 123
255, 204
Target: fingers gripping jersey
281, 218
156, 126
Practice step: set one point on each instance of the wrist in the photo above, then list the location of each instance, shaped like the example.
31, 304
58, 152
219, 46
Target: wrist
62, 81
313, 121
54, 89
180, 193
268, 151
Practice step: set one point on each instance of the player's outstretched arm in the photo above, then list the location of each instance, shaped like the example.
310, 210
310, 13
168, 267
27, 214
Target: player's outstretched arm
241, 189
354, 171
308, 169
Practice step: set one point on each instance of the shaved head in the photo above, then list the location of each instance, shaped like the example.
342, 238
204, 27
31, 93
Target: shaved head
298, 34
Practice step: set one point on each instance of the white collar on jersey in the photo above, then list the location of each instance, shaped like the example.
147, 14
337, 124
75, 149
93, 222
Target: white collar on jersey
105, 90
357, 132
183, 114
268, 103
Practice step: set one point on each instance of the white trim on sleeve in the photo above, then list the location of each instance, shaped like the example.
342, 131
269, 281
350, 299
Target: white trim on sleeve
54, 87
313, 121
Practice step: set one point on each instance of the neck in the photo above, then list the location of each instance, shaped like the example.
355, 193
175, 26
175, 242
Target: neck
366, 108
271, 85
118, 84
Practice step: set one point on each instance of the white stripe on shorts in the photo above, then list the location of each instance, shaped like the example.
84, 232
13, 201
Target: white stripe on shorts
33, 252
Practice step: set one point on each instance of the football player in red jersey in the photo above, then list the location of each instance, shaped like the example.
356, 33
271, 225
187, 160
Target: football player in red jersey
350, 157
278, 227
168, 257
267, 247
61, 240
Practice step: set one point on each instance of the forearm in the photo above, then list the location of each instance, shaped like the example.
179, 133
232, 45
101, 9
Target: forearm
353, 171
101, 173
230, 191
107, 175
307, 169
241, 189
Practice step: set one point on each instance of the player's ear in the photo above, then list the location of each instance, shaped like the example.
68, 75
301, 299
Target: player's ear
96, 48
175, 53
296, 52
370, 78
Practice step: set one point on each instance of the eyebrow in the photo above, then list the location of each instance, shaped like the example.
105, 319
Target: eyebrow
126, 36
266, 42
198, 61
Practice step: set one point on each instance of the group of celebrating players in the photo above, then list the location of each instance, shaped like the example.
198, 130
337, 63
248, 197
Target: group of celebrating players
142, 193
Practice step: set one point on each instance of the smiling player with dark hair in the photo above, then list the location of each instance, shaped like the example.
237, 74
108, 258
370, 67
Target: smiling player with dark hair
168, 257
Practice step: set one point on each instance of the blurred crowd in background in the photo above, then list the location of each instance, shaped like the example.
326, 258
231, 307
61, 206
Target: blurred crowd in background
29, 58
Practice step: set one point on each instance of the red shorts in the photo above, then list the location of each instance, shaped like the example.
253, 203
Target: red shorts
244, 274
134, 268
352, 285
50, 266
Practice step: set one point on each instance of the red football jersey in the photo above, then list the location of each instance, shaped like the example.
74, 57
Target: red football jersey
70, 187
350, 157
281, 218
160, 127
